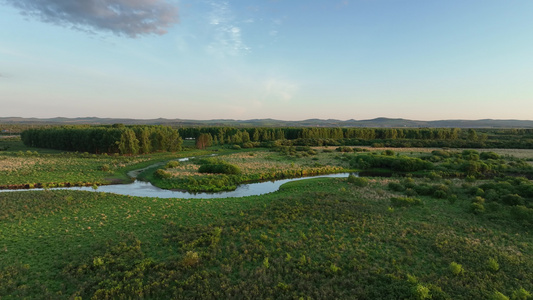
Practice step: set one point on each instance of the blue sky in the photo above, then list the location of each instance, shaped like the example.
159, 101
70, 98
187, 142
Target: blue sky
289, 60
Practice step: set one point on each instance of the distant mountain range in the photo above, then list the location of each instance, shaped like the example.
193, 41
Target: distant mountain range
378, 122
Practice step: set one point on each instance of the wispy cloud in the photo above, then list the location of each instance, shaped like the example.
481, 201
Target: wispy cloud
276, 89
130, 18
228, 39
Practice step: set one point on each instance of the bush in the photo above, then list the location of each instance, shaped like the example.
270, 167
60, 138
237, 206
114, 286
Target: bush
513, 199
452, 199
477, 208
470, 155
405, 201
493, 265
424, 189
344, 149
409, 182
395, 186
223, 168
521, 294
440, 194
191, 258
388, 153
358, 181
489, 155
441, 153
410, 192
456, 269
522, 213
162, 174
498, 296
248, 145
421, 292
434, 176
172, 164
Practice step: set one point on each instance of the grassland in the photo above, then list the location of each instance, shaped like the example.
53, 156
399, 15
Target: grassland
328, 238
318, 239
25, 167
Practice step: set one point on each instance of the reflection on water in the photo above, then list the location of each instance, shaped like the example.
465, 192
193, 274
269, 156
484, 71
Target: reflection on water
146, 189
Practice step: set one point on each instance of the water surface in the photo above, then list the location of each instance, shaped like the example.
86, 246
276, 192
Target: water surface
146, 189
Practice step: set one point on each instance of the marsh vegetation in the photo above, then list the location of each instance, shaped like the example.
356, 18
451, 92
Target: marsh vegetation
446, 224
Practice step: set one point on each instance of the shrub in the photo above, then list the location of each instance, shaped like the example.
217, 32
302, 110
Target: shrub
333, 268
409, 182
388, 153
395, 186
410, 192
513, 199
522, 213
358, 181
440, 194
421, 292
452, 199
424, 189
441, 153
479, 200
222, 168
470, 155
477, 208
162, 174
493, 265
456, 269
498, 296
191, 258
344, 149
405, 201
434, 176
489, 155
172, 164
266, 264
521, 294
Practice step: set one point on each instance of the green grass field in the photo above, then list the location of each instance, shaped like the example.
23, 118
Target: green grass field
318, 239
22, 166
328, 238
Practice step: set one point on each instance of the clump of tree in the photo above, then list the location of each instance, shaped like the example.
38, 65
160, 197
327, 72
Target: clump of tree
394, 163
204, 140
217, 166
105, 139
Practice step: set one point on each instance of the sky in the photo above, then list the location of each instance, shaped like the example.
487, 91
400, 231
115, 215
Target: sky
280, 59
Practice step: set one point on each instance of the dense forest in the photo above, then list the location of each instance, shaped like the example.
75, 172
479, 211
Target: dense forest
390, 137
136, 139
105, 139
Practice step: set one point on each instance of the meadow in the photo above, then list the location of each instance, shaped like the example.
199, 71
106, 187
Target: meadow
27, 167
247, 166
459, 227
316, 239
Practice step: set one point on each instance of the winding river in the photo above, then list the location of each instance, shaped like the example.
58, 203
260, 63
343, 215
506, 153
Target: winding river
146, 189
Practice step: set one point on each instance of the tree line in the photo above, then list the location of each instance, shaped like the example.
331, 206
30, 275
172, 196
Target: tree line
227, 135
360, 136
145, 139
115, 138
